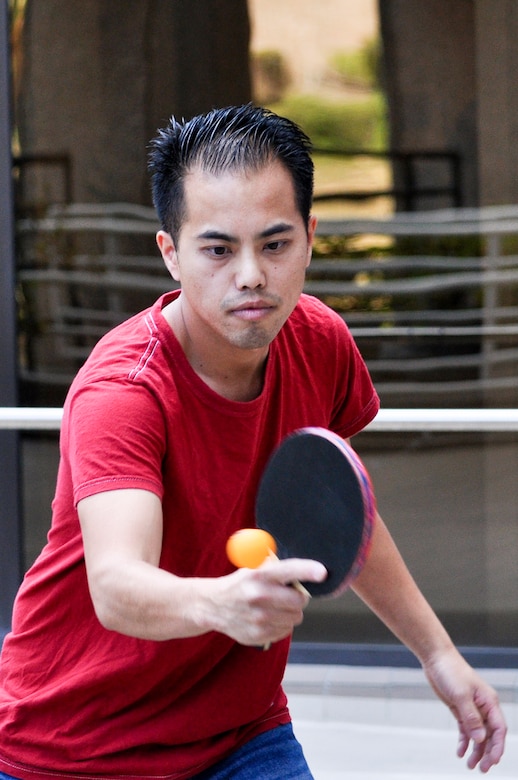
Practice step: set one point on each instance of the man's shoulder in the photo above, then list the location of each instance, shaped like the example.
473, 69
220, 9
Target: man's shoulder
130, 351
310, 306
317, 316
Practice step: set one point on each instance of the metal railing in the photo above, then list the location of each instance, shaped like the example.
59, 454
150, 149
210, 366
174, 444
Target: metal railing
417, 175
387, 420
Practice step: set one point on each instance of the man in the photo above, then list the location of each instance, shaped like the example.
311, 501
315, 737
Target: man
134, 647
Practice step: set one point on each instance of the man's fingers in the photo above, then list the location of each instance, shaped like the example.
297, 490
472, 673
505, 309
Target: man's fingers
462, 745
473, 725
294, 569
485, 728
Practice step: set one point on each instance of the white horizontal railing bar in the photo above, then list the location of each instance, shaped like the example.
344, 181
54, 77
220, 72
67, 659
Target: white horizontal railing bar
461, 388
117, 280
408, 331
341, 265
412, 286
125, 210
388, 227
87, 225
30, 418
473, 420
489, 220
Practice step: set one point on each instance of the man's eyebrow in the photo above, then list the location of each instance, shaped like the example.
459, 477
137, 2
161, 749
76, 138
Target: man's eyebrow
218, 235
280, 227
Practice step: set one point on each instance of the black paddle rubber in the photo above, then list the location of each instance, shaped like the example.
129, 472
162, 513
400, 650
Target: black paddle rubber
316, 500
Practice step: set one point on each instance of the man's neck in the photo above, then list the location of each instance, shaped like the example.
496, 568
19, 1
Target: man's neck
234, 374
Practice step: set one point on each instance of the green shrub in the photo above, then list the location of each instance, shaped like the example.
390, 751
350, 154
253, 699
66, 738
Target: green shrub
361, 68
339, 125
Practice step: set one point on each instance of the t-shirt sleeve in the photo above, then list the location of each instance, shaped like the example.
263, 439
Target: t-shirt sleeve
115, 439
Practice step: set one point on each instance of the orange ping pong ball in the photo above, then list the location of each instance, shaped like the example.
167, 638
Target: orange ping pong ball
250, 547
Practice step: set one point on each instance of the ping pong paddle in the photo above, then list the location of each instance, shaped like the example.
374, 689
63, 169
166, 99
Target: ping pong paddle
316, 500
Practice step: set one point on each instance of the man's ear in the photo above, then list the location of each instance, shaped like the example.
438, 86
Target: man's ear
312, 226
168, 251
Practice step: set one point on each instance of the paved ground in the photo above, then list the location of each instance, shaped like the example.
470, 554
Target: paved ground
385, 724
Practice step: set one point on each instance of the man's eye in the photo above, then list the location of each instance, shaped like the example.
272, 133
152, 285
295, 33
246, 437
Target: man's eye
274, 246
218, 251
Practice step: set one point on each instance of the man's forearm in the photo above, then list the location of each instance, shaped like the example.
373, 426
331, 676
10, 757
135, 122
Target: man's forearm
389, 590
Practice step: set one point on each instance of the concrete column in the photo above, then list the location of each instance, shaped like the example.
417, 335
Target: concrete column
430, 78
99, 78
496, 36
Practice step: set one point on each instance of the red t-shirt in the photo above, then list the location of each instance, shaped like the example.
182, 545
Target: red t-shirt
77, 699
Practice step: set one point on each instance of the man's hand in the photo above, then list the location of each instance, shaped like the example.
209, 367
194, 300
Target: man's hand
257, 606
475, 706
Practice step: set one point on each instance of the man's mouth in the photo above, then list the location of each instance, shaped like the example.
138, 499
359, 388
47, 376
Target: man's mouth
252, 309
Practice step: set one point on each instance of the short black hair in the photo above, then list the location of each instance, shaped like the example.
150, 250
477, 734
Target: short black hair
233, 138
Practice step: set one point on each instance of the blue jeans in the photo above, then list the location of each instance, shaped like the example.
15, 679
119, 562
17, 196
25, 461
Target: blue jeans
274, 755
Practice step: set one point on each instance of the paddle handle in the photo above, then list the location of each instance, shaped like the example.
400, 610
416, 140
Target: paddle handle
295, 584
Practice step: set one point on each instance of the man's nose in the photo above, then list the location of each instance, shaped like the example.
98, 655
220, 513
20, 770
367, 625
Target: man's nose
250, 272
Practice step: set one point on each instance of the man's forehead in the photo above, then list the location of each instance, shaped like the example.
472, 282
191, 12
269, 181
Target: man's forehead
237, 170
201, 183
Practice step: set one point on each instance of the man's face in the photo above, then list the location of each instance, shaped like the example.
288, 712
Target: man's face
241, 256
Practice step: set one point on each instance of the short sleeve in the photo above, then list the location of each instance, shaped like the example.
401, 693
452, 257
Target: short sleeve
115, 439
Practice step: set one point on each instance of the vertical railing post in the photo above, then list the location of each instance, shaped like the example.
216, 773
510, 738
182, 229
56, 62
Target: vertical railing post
10, 505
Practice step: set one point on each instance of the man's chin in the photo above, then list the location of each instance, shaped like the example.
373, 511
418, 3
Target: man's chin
254, 338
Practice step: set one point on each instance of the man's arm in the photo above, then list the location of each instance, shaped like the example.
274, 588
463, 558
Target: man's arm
386, 586
122, 535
